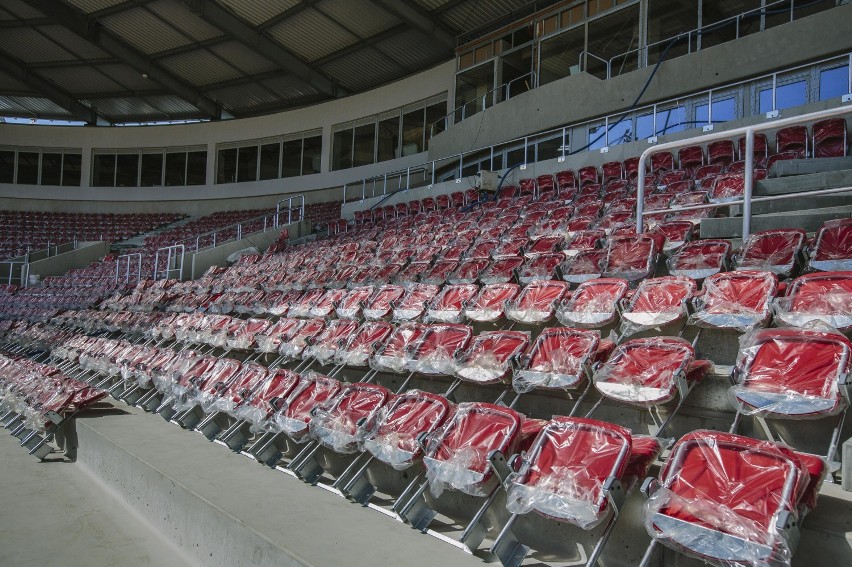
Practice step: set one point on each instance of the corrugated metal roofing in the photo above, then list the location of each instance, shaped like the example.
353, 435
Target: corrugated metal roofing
73, 42
311, 35
145, 31
362, 70
176, 14
21, 9
90, 6
200, 67
78, 79
243, 96
30, 46
31, 106
128, 77
243, 58
362, 19
257, 12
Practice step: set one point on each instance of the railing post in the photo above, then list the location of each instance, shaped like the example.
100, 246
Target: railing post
214, 239
640, 193
433, 163
749, 182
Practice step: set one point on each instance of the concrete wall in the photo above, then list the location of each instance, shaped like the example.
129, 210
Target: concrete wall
85, 254
582, 97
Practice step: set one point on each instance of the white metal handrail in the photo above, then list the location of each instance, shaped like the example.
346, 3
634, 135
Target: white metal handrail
270, 221
289, 201
749, 132
127, 258
172, 254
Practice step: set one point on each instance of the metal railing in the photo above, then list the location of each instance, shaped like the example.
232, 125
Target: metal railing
22, 275
452, 166
127, 258
584, 62
289, 200
236, 231
747, 199
172, 254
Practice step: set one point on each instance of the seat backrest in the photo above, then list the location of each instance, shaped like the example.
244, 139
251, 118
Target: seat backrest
792, 139
829, 138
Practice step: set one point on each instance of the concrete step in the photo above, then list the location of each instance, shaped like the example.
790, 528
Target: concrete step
810, 220
800, 183
787, 168
796, 204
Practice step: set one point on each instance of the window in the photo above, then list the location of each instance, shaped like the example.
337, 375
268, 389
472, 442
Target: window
292, 158
175, 168
612, 36
7, 166
834, 82
364, 144
51, 168
103, 170
435, 123
196, 167
269, 155
412, 131
786, 96
226, 166
247, 164
669, 120
71, 169
28, 168
152, 170
666, 19
341, 149
127, 170
560, 55
388, 138
312, 155
620, 131
723, 110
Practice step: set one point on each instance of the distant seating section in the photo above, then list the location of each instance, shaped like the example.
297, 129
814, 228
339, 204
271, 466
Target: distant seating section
410, 352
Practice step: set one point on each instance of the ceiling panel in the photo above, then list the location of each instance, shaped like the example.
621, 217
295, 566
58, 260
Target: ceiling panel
200, 67
145, 31
78, 79
311, 35
28, 45
255, 12
362, 19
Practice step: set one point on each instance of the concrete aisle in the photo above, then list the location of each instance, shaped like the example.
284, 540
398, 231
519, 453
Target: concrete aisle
54, 513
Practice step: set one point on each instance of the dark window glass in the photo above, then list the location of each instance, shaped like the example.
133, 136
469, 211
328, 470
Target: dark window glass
176, 168
51, 168
127, 170
269, 154
196, 168
152, 170
103, 170
471, 87
71, 169
388, 147
311, 157
412, 132
7, 166
560, 55
341, 150
614, 37
226, 167
292, 158
28, 168
247, 164
435, 123
833, 83
365, 145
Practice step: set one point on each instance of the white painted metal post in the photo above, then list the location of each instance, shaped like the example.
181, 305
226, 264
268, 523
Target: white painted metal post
749, 182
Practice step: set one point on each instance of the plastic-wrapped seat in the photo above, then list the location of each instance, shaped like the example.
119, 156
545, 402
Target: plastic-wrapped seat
631, 258
468, 271
832, 250
792, 374
584, 266
539, 267
761, 149
650, 371
658, 302
449, 304
721, 151
280, 332
593, 304
675, 234
700, 259
413, 304
560, 358
536, 302
487, 360
324, 346
501, 271
735, 300
792, 139
706, 504
435, 350
829, 138
821, 296
727, 188
350, 305
381, 303
691, 157
394, 355
306, 332
574, 477
775, 251
489, 304
296, 411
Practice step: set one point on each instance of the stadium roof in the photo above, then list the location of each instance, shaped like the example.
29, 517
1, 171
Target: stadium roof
120, 61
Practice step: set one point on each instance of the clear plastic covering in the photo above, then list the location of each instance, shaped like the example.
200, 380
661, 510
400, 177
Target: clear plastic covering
646, 372
448, 304
536, 302
559, 358
435, 351
457, 454
395, 354
833, 247
295, 412
280, 332
791, 373
501, 271
488, 358
350, 305
369, 337
631, 258
244, 337
735, 300
724, 498
324, 347
727, 188
439, 272
468, 271
392, 437
775, 251
824, 297
488, 305
301, 336
658, 302
250, 377
593, 304
700, 259
584, 266
339, 424
540, 267
380, 304
267, 398
414, 303
564, 474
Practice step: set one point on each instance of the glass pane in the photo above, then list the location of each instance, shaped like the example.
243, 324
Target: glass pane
103, 170
127, 170
341, 150
365, 144
292, 158
51, 168
71, 167
471, 86
435, 123
28, 168
549, 149
226, 166
412, 132
560, 55
786, 96
611, 37
597, 138
833, 82
644, 126
7, 166
269, 154
723, 110
516, 156
152, 170
725, 21
388, 147
671, 120
666, 19
620, 132
312, 155
196, 168
176, 169
247, 164
516, 73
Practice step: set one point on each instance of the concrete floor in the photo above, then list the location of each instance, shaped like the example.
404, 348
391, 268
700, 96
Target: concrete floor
54, 512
